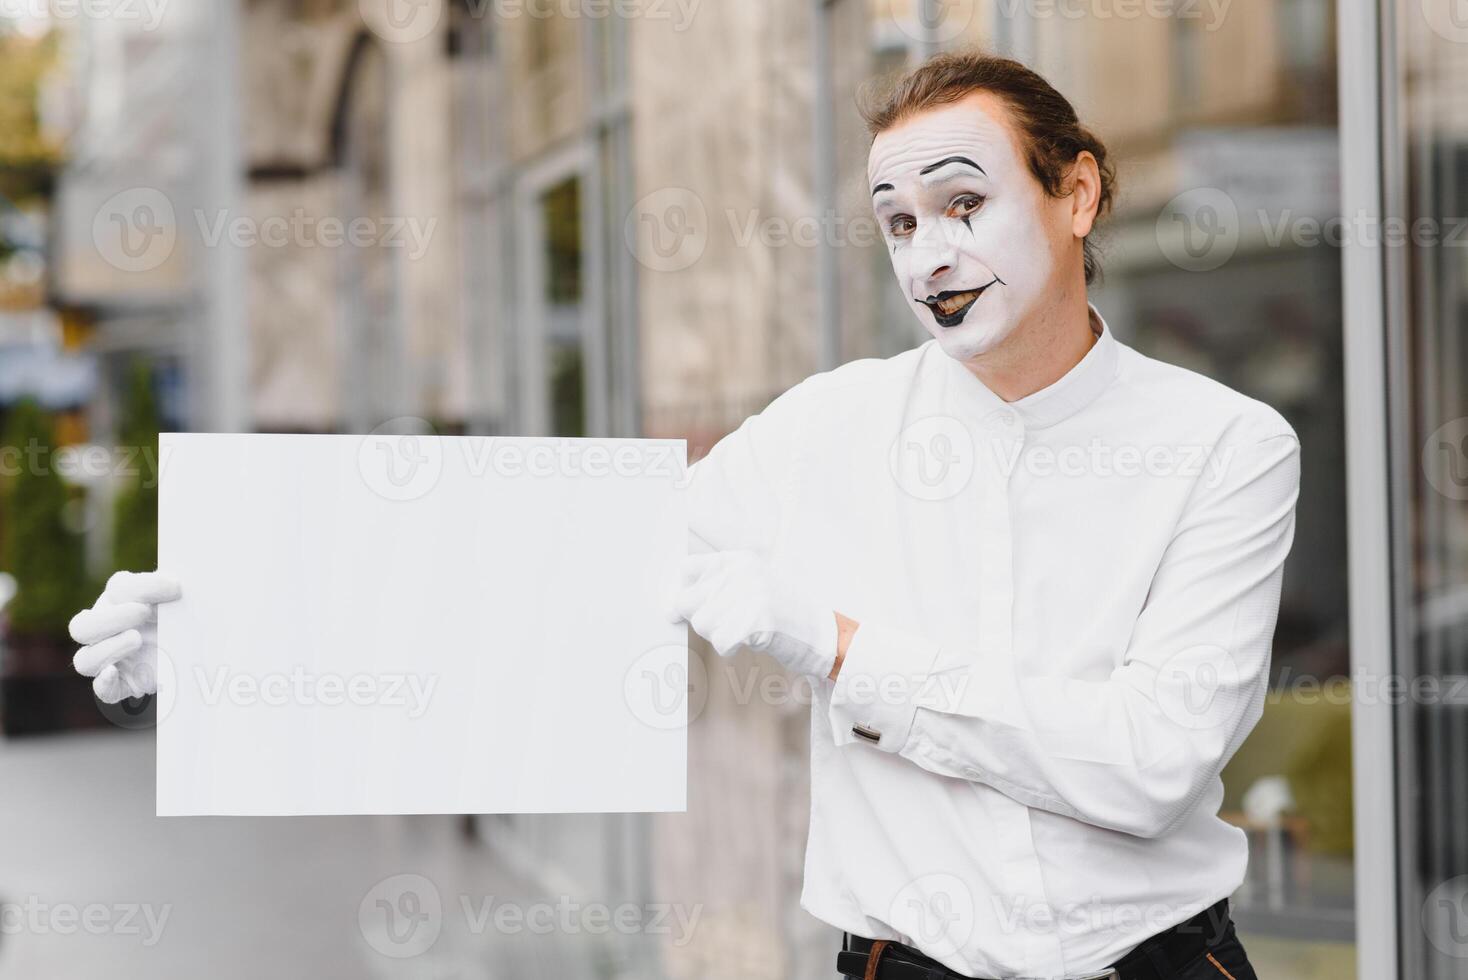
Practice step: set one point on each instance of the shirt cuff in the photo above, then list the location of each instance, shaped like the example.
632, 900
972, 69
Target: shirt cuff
880, 687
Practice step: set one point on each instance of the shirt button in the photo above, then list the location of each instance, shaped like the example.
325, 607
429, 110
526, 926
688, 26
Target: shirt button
1006, 417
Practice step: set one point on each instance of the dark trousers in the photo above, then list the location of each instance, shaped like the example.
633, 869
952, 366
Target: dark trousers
1221, 961
1206, 947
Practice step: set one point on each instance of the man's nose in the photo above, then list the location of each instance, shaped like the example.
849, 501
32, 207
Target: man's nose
934, 257
938, 272
933, 269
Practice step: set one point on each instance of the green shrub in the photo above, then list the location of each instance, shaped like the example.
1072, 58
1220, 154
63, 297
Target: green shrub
36, 546
135, 513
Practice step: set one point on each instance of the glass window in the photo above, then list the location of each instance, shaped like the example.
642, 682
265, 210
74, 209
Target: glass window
1429, 289
565, 354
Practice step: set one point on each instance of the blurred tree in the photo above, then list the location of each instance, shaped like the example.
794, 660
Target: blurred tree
28, 156
37, 547
1319, 771
135, 525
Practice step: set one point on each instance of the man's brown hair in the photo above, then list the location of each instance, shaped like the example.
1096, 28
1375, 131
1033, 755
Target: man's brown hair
1049, 130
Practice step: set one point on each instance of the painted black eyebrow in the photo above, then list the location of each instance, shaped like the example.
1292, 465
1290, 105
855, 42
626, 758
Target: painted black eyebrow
946, 161
880, 188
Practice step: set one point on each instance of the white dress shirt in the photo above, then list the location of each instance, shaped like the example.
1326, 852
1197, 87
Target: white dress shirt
1066, 605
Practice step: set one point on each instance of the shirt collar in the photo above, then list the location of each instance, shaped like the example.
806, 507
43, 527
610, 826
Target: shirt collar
1059, 400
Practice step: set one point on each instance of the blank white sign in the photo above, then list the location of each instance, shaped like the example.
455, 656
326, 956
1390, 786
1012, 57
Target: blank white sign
416, 624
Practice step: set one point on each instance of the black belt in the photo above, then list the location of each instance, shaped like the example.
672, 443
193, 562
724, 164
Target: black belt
1162, 957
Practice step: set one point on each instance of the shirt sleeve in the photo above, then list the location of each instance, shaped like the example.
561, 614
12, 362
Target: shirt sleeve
737, 493
1135, 751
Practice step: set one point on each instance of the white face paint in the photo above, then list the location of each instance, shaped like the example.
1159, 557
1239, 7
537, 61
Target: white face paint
972, 235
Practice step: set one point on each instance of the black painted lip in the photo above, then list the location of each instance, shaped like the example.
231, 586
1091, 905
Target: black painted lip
956, 317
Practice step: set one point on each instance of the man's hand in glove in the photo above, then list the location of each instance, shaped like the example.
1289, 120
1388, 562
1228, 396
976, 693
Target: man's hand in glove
120, 633
734, 599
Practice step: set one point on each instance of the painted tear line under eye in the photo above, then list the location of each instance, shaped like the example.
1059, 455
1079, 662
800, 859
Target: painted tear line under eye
967, 223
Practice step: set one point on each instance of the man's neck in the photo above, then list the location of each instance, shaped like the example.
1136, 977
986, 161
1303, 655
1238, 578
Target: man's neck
1039, 353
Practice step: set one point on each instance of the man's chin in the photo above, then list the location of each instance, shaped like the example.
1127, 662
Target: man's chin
965, 341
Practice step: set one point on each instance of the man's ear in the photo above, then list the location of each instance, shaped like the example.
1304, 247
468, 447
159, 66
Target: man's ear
1085, 193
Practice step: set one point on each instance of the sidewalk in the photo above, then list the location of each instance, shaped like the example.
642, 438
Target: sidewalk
93, 885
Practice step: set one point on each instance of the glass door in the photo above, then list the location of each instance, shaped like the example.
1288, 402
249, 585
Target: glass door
1426, 145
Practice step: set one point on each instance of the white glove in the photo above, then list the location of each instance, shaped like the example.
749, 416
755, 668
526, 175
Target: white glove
733, 599
120, 633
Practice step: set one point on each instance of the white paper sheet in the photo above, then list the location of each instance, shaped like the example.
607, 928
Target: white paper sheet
413, 624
